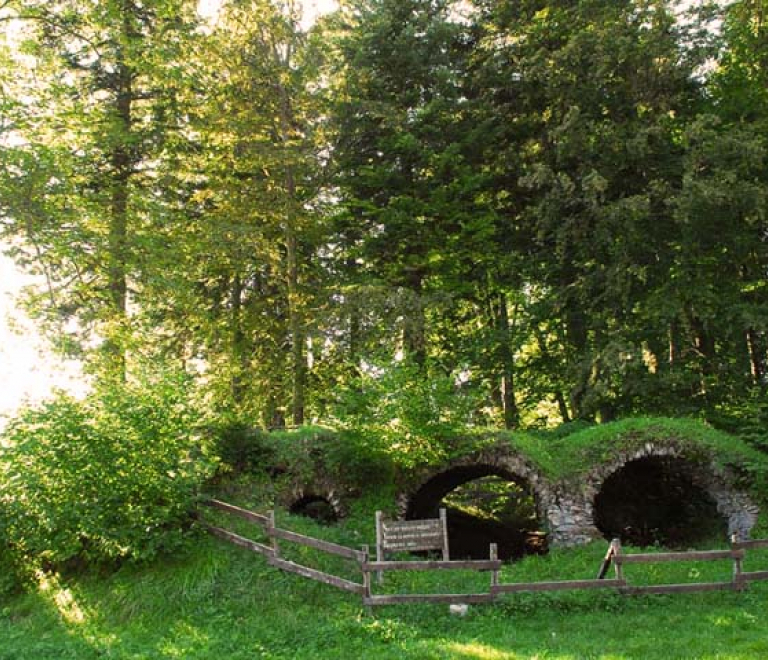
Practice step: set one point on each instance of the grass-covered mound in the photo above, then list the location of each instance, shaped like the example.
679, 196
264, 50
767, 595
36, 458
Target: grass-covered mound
569, 453
579, 452
566, 454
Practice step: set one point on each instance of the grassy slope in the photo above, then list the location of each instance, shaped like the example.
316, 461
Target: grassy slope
223, 602
569, 457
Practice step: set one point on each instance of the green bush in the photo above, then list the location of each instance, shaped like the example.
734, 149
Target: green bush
243, 448
310, 453
405, 413
107, 479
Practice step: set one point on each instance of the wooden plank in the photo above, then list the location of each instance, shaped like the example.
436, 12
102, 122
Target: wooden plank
679, 588
379, 543
271, 527
412, 535
325, 546
560, 585
753, 576
237, 511
751, 545
737, 567
429, 565
420, 525
701, 555
240, 540
414, 546
429, 598
493, 551
318, 576
606, 563
366, 575
444, 525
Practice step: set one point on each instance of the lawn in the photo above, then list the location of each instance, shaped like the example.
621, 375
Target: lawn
220, 601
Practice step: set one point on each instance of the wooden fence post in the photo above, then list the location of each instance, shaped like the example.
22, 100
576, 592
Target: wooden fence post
271, 526
615, 552
366, 579
606, 563
444, 526
380, 543
738, 582
494, 554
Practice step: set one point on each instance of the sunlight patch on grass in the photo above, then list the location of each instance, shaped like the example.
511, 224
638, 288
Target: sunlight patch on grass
184, 639
61, 598
477, 651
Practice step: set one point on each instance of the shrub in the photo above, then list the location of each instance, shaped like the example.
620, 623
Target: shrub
243, 448
406, 413
107, 479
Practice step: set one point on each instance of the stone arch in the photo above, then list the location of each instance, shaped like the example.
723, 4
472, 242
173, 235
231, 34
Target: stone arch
575, 520
299, 497
317, 507
422, 499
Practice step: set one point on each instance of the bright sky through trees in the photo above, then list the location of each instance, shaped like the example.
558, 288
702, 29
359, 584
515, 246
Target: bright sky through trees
28, 370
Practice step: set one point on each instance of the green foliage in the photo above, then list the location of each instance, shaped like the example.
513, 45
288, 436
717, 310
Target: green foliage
107, 479
310, 454
406, 414
242, 447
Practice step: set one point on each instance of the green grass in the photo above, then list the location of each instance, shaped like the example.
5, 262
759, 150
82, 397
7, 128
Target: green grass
220, 601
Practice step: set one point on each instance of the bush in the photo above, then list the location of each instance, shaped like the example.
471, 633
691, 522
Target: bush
243, 448
405, 413
107, 479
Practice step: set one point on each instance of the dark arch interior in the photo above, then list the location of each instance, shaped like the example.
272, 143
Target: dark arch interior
315, 507
654, 501
485, 504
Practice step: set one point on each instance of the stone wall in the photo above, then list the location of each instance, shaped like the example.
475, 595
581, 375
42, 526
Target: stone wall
567, 509
571, 515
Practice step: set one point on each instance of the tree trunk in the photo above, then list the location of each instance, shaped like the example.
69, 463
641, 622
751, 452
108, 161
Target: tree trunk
506, 357
121, 163
756, 352
414, 329
297, 330
562, 404
239, 350
295, 320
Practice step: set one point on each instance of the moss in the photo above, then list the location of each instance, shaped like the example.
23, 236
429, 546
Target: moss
581, 452
561, 455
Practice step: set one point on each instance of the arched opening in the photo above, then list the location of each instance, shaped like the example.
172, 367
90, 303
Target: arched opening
316, 507
485, 504
655, 500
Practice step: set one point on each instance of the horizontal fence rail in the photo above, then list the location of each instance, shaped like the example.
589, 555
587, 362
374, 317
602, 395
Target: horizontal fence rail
318, 576
456, 565
654, 558
615, 557
317, 544
451, 599
558, 585
250, 516
240, 540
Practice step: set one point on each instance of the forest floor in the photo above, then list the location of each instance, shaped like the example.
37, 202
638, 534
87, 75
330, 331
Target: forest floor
221, 601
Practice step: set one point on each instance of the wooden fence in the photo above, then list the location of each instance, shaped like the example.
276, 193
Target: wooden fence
615, 557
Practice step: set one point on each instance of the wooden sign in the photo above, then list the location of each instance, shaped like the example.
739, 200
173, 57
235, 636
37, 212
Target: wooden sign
411, 536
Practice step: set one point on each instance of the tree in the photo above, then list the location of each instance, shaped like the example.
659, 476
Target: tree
255, 229
100, 88
590, 97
